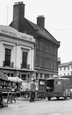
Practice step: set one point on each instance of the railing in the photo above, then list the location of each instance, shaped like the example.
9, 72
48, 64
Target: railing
8, 65
27, 66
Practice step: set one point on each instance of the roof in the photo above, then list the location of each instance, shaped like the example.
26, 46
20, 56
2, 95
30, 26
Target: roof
65, 64
43, 32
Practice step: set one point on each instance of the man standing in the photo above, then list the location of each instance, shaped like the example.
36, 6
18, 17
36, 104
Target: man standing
33, 89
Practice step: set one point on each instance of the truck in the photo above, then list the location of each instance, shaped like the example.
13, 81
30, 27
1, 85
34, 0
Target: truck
55, 87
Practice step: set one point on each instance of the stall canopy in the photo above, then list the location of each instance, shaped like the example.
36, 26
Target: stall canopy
3, 76
15, 79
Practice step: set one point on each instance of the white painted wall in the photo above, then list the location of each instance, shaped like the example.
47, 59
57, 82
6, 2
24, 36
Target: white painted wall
16, 54
63, 72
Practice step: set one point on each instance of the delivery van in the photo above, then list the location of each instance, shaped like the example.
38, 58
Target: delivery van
57, 87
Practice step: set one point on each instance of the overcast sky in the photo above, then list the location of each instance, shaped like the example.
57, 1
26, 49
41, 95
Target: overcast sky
58, 20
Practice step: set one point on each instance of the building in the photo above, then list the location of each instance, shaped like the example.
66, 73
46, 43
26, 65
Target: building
65, 69
46, 47
16, 53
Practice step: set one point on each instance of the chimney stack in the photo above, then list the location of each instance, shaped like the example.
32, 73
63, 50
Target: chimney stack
41, 21
18, 15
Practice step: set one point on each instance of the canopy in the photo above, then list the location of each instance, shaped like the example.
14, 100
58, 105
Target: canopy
15, 79
3, 76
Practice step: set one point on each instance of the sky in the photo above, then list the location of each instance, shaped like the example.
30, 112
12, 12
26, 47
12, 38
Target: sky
58, 20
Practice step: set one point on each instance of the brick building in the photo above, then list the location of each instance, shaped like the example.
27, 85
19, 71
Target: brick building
46, 47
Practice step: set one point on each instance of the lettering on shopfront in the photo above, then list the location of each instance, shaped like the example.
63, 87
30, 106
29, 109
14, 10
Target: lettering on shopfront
8, 32
26, 38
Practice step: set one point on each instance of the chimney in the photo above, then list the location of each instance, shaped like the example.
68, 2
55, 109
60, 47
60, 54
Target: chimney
18, 15
41, 21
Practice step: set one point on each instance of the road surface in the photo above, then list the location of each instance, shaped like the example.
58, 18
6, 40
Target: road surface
41, 107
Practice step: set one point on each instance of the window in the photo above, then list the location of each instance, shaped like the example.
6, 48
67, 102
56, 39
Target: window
45, 63
55, 51
58, 82
41, 60
7, 56
41, 45
55, 65
24, 59
71, 66
23, 77
37, 60
37, 43
68, 67
64, 68
49, 49
42, 82
51, 64
52, 49
45, 47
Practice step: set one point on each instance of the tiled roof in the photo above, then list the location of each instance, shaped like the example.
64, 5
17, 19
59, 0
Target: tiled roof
43, 32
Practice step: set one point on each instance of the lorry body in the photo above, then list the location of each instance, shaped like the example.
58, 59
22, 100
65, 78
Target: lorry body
55, 87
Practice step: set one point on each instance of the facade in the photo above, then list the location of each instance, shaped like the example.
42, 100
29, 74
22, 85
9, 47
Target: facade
65, 69
16, 53
46, 47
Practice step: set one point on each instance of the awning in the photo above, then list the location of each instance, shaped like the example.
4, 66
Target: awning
15, 79
3, 76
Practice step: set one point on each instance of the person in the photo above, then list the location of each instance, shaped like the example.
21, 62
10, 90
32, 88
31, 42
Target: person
32, 89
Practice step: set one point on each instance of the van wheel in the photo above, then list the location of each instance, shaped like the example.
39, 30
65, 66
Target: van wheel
49, 98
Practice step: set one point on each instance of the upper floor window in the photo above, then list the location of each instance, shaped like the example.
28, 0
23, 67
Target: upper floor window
68, 67
45, 62
60, 68
41, 44
52, 64
37, 43
24, 59
41, 61
52, 49
71, 66
55, 65
64, 68
49, 49
7, 56
37, 60
45, 47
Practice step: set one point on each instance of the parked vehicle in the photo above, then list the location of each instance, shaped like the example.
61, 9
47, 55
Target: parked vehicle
58, 87
54, 87
42, 88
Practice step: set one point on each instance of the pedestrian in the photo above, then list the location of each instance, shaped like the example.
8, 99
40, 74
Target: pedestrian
32, 89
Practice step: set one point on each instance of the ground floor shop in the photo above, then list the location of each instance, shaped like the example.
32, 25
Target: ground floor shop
24, 74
